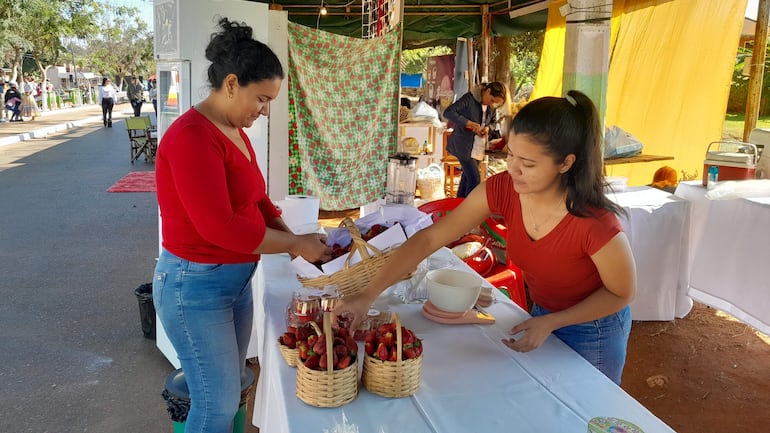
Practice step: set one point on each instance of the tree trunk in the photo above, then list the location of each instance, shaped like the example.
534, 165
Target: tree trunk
502, 63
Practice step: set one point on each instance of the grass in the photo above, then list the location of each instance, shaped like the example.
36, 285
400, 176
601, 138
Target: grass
733, 128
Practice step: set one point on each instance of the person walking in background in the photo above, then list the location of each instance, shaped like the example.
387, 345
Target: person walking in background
472, 114
217, 220
154, 97
135, 95
107, 95
28, 102
3, 112
13, 102
563, 232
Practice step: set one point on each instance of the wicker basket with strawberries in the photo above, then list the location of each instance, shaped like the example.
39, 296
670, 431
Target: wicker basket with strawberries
352, 278
327, 371
393, 360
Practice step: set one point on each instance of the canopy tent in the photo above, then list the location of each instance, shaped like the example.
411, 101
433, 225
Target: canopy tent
425, 24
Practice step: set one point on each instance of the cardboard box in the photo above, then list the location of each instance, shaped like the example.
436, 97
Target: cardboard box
390, 238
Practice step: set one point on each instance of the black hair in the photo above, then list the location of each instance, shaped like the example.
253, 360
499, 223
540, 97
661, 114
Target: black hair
496, 89
233, 50
564, 126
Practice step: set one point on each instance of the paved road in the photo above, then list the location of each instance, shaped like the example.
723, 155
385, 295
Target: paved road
72, 354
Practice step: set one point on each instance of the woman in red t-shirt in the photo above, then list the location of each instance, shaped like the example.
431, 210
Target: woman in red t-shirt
563, 233
217, 219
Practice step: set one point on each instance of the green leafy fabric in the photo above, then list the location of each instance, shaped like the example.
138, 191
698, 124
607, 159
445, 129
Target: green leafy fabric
343, 115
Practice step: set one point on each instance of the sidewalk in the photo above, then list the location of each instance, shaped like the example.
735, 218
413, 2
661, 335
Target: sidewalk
57, 120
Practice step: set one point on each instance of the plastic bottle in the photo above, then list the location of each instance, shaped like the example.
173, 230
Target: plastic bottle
713, 176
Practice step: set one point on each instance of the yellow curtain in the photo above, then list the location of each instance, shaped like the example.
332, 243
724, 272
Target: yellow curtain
669, 79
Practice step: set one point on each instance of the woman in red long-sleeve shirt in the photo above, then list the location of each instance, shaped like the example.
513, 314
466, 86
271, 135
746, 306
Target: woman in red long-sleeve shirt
217, 219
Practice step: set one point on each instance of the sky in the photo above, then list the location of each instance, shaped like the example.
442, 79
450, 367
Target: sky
144, 6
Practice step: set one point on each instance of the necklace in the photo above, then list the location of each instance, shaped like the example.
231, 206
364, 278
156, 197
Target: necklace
535, 224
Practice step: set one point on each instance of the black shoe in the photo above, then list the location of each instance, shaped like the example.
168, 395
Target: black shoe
109, 123
105, 123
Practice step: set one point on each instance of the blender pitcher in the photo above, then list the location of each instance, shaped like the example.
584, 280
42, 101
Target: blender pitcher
402, 179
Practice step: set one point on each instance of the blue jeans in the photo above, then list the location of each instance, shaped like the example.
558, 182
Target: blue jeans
471, 178
603, 342
207, 312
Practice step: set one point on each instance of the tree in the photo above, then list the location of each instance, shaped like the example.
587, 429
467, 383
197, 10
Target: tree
124, 46
44, 24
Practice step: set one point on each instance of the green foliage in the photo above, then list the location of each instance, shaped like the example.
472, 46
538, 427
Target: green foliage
740, 85
525, 59
102, 38
414, 61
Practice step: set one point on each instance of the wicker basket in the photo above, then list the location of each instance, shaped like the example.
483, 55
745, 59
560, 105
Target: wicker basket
330, 388
352, 278
392, 378
290, 355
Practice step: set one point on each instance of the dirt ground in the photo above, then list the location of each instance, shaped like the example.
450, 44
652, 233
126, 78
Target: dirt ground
704, 373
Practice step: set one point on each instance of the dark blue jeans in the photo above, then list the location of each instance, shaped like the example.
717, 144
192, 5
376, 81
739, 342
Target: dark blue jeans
471, 178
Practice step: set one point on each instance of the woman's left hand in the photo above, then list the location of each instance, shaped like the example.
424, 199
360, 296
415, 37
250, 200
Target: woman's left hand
536, 331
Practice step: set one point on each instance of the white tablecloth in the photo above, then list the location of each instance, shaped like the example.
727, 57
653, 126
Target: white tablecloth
657, 227
470, 381
729, 259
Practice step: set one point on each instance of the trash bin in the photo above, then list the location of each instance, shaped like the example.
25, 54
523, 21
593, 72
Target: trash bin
146, 309
177, 398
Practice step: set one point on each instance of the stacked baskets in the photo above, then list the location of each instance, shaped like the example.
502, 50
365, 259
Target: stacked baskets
398, 378
330, 388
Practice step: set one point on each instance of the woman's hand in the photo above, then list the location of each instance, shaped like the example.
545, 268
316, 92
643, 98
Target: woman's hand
354, 308
312, 247
536, 330
473, 126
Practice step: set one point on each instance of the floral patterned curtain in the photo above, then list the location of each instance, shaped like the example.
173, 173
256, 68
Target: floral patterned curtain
343, 115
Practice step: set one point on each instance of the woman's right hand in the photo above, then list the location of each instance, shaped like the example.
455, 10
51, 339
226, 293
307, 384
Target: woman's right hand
312, 247
473, 126
354, 308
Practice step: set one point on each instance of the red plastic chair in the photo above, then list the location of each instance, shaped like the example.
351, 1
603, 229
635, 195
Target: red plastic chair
438, 209
507, 278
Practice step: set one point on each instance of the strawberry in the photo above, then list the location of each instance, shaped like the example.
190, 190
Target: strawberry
303, 332
311, 340
320, 345
418, 348
312, 362
408, 353
289, 340
407, 336
343, 332
382, 352
369, 348
393, 354
388, 339
344, 362
386, 327
323, 362
371, 337
303, 348
351, 345
340, 350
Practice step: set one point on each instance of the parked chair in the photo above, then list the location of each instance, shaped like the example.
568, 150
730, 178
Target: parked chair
506, 277
139, 139
452, 169
438, 209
